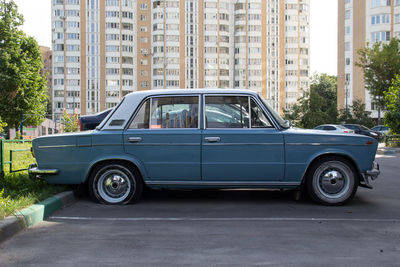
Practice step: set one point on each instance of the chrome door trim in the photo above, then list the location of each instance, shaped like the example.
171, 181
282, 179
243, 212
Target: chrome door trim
162, 144
242, 144
323, 144
150, 97
219, 183
57, 146
249, 96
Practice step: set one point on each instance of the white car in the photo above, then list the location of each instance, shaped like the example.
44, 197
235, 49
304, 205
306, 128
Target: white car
382, 129
334, 128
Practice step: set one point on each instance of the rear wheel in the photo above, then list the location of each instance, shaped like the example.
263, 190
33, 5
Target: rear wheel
115, 183
332, 181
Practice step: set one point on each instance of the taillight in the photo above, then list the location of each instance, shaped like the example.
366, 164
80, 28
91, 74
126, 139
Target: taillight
346, 131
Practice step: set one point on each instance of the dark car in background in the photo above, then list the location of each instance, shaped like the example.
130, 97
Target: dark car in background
361, 129
90, 122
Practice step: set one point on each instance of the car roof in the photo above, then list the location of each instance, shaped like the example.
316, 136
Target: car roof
189, 91
132, 100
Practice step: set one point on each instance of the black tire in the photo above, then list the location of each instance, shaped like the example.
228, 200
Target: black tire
115, 183
332, 181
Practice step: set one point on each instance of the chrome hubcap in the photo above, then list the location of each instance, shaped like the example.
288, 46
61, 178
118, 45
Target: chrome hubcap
333, 180
114, 186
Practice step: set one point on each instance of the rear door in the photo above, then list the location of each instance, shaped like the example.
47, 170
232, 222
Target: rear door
165, 137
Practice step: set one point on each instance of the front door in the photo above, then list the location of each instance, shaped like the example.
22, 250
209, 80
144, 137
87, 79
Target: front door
165, 137
239, 143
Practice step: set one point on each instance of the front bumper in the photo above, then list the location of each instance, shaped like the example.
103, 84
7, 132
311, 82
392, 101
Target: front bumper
370, 175
34, 170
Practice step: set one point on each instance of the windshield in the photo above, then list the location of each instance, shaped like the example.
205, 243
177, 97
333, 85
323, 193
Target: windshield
278, 118
363, 127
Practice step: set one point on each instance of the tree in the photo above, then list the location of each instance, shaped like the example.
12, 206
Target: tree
358, 115
317, 107
392, 115
22, 88
70, 122
2, 125
380, 63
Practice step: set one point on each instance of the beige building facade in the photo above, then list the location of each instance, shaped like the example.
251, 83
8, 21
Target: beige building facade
106, 49
361, 22
47, 59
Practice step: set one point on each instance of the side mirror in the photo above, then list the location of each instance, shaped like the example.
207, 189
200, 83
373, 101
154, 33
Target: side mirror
288, 124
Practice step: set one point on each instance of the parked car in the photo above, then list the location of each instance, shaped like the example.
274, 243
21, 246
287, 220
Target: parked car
90, 122
204, 138
382, 129
334, 128
361, 129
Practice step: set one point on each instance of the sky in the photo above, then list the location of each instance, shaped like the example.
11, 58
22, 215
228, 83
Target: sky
323, 30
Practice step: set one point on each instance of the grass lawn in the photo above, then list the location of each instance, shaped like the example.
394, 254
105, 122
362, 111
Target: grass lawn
18, 190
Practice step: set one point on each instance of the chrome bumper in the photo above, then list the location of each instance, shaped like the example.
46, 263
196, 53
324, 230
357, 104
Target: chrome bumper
370, 174
33, 169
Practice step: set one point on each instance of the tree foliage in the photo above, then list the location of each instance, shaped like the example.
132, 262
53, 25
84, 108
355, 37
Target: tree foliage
22, 88
392, 115
356, 114
2, 125
70, 122
380, 63
317, 107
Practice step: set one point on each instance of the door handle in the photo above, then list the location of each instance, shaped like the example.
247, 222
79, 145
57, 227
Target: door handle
212, 139
134, 139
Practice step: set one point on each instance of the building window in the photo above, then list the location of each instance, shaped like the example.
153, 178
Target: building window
380, 36
378, 3
347, 29
347, 61
347, 46
347, 14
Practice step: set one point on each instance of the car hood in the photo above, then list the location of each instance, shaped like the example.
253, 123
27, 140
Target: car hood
318, 136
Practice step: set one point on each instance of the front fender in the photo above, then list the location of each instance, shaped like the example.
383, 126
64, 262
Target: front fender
296, 167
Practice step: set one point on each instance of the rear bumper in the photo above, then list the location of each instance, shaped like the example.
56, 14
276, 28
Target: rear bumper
370, 175
33, 169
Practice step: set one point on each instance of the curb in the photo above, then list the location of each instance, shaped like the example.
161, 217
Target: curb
387, 151
34, 214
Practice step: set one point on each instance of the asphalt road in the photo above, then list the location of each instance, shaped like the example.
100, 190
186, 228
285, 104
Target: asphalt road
232, 228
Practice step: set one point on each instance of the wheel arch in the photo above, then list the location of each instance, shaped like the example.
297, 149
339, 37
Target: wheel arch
127, 161
330, 154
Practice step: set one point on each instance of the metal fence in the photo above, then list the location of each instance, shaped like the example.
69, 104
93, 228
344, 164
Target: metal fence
392, 140
16, 154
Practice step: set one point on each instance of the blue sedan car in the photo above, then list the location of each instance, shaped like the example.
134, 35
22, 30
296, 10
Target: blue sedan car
204, 138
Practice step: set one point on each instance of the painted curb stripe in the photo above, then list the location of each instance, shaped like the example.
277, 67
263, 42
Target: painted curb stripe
38, 212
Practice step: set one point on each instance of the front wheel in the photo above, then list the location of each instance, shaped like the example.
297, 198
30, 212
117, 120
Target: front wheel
332, 181
115, 183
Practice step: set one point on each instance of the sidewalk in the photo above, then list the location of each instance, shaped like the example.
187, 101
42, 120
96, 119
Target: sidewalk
383, 150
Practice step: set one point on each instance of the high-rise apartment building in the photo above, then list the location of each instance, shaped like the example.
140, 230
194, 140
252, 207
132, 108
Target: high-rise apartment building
47, 59
105, 49
361, 22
